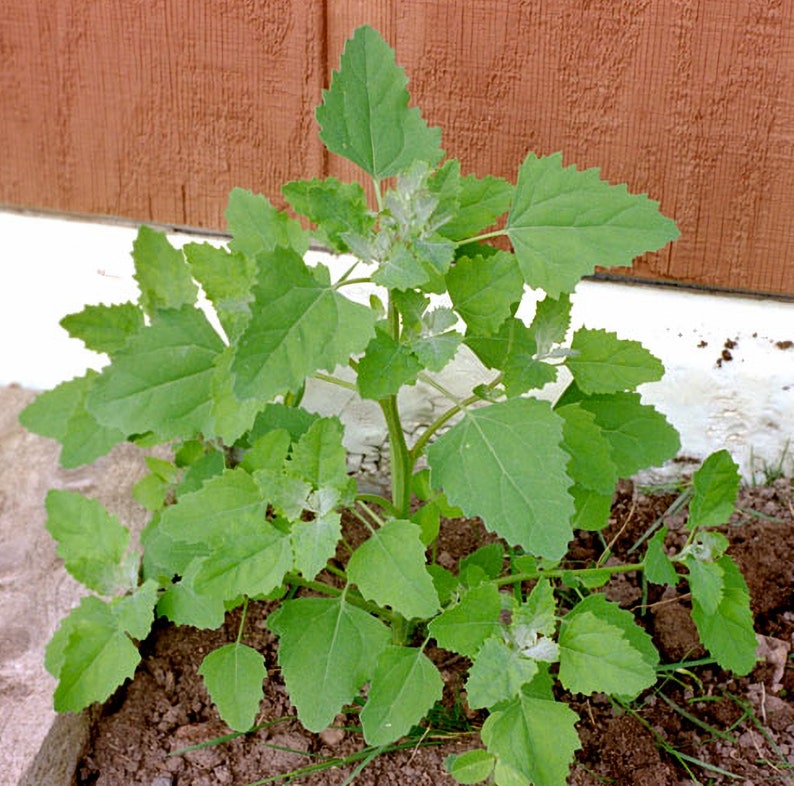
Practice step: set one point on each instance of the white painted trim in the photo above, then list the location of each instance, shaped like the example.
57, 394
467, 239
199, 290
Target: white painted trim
54, 266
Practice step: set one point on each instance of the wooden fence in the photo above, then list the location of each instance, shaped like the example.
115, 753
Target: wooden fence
154, 109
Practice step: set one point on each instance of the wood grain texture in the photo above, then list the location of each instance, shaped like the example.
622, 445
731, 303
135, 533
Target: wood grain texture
155, 109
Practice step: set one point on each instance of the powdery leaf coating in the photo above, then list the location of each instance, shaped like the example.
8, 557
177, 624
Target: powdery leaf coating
404, 687
327, 651
365, 117
504, 463
498, 674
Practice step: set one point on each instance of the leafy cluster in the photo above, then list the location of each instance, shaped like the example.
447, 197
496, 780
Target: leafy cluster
249, 505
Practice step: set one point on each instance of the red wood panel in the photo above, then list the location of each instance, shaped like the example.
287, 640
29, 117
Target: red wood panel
155, 109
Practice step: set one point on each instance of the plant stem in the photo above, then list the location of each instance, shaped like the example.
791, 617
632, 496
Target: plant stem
478, 238
558, 573
401, 458
342, 383
242, 620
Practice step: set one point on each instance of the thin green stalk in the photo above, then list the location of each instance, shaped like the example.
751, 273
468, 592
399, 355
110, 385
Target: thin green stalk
478, 238
331, 380
401, 458
242, 620
377, 499
560, 573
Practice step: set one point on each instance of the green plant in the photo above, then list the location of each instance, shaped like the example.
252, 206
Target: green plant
249, 507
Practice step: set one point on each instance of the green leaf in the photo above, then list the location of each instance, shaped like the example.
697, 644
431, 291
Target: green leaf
404, 687
60, 414
184, 606
389, 568
365, 117
728, 634
134, 613
435, 352
592, 509
161, 380
257, 227
92, 543
596, 657
464, 627
161, 272
706, 582
538, 611
659, 569
590, 452
716, 485
227, 279
386, 366
334, 207
480, 202
319, 456
504, 463
233, 675
90, 655
639, 435
314, 542
604, 363
563, 223
489, 557
498, 674
535, 737
104, 328
327, 651
474, 766
231, 416
485, 290
550, 323
298, 326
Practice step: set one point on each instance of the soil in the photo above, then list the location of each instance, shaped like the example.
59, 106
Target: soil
697, 725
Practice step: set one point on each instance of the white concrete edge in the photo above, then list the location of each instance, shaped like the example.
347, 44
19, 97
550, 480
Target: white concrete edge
730, 365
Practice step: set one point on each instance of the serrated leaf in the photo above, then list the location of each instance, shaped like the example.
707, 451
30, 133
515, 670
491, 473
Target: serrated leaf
92, 543
386, 366
257, 227
497, 674
233, 675
435, 352
184, 606
489, 557
590, 464
404, 687
401, 269
728, 634
389, 568
592, 509
538, 611
227, 279
659, 569
550, 323
161, 380
474, 766
596, 657
535, 737
604, 363
60, 414
564, 222
484, 290
226, 506
365, 117
161, 272
480, 203
231, 416
639, 435
319, 456
334, 207
706, 582
134, 612
314, 542
464, 627
90, 655
104, 328
327, 651
298, 326
715, 485
295, 420
504, 463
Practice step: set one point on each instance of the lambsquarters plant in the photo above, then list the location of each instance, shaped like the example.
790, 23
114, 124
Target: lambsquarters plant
250, 505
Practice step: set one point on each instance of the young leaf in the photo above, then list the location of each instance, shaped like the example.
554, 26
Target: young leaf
590, 463
327, 651
434, 352
386, 366
563, 223
596, 657
550, 323
389, 568
728, 633
604, 363
716, 485
257, 227
161, 380
314, 542
474, 766
592, 508
480, 202
404, 687
161, 272
334, 207
489, 557
638, 434
92, 543
298, 326
134, 613
498, 674
706, 582
319, 456
104, 328
233, 675
535, 737
504, 463
365, 117
485, 290
184, 606
659, 569
464, 627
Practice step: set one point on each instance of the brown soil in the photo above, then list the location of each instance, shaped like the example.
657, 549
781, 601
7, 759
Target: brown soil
695, 725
